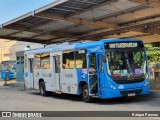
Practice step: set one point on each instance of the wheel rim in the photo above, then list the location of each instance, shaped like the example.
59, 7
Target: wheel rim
85, 94
42, 89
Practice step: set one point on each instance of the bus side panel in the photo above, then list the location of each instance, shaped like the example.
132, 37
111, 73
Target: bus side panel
47, 76
69, 81
27, 74
82, 75
37, 76
27, 79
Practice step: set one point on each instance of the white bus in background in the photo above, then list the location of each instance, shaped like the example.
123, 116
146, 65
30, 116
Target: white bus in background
44, 70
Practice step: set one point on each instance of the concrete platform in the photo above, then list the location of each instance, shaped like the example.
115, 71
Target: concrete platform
14, 98
17, 84
12, 83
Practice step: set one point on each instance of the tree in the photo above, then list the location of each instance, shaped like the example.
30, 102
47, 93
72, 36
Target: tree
153, 52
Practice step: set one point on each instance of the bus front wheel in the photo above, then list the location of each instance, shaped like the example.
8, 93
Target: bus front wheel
85, 94
42, 88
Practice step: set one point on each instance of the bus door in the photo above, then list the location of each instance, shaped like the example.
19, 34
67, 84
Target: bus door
93, 73
100, 72
31, 72
57, 72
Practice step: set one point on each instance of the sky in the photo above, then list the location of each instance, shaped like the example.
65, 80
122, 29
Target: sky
10, 9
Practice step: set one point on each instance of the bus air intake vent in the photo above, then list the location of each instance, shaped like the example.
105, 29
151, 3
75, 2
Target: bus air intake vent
127, 81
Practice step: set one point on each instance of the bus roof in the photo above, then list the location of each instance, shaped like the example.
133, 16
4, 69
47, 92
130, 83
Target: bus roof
61, 47
55, 48
101, 42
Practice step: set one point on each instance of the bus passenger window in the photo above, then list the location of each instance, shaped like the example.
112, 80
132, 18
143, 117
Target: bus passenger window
68, 59
37, 61
92, 60
80, 59
45, 61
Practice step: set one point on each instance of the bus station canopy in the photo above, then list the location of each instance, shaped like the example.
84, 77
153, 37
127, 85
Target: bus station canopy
81, 20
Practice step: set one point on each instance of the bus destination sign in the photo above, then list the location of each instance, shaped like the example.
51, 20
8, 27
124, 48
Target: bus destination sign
123, 45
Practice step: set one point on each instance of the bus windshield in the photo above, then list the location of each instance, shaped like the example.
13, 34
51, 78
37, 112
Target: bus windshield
126, 63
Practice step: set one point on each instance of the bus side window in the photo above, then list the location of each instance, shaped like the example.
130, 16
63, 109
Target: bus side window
45, 61
93, 60
68, 59
37, 61
25, 62
80, 59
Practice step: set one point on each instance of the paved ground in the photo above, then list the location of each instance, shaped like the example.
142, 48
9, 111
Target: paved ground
17, 99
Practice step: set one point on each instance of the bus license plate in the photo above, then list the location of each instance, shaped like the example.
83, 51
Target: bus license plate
131, 94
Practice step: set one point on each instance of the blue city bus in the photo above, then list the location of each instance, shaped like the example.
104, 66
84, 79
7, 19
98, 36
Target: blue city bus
8, 70
107, 68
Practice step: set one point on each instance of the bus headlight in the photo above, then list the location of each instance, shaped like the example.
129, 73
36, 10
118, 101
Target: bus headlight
147, 76
121, 87
147, 80
112, 86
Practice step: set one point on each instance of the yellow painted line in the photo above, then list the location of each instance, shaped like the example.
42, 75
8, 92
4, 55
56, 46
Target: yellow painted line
58, 92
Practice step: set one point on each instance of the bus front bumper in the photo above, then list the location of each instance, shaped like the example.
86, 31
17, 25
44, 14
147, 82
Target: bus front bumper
115, 93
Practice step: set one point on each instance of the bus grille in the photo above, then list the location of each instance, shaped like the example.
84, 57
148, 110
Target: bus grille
127, 81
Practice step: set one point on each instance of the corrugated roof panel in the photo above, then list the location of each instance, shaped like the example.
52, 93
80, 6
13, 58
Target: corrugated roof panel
45, 37
24, 34
124, 18
106, 9
54, 25
82, 29
6, 31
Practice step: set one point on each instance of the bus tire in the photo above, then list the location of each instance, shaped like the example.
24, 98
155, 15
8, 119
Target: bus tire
42, 89
85, 94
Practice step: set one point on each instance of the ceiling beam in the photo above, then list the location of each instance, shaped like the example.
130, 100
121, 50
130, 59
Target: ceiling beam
152, 31
32, 26
55, 31
136, 27
59, 40
79, 21
149, 39
135, 36
129, 34
23, 39
61, 9
141, 19
90, 3
40, 32
154, 3
71, 7
14, 33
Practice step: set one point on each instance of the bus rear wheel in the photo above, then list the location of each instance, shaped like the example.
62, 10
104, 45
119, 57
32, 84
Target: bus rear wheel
42, 89
85, 94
